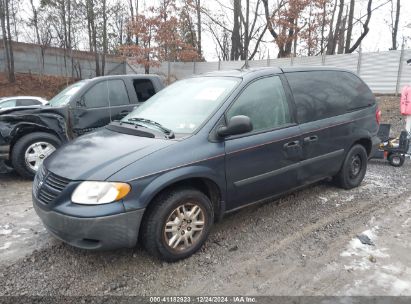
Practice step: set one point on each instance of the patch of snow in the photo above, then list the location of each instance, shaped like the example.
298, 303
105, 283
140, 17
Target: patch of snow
5, 246
323, 199
5, 231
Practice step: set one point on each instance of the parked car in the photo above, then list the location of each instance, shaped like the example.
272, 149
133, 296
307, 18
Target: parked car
202, 147
28, 135
21, 101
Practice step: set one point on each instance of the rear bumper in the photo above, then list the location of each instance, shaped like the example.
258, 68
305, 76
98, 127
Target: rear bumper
4, 152
99, 233
375, 145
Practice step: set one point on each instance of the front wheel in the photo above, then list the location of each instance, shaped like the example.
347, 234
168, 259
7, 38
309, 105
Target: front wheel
178, 224
353, 169
31, 150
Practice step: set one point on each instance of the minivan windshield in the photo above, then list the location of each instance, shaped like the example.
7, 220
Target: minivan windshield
63, 97
184, 106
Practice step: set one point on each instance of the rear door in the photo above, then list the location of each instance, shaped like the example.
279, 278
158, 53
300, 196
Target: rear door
263, 162
324, 100
118, 98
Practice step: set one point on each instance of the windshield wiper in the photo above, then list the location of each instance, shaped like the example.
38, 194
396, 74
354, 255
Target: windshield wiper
168, 132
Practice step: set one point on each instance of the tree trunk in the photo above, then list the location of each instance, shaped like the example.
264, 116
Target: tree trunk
341, 36
349, 26
395, 26
235, 36
8, 47
90, 17
199, 29
323, 22
330, 43
333, 43
103, 58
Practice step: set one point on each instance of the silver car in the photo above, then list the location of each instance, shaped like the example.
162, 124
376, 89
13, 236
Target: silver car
21, 101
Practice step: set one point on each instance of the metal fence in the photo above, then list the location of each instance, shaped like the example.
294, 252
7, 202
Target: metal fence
385, 72
32, 58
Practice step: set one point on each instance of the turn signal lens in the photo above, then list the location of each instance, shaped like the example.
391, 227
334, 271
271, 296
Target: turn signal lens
378, 115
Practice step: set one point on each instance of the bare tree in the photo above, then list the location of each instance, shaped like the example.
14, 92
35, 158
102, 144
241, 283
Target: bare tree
7, 42
366, 29
350, 25
394, 23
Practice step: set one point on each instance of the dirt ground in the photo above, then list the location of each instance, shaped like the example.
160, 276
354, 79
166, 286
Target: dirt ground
45, 86
305, 243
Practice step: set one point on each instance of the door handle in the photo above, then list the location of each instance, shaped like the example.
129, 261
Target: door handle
309, 139
124, 113
292, 144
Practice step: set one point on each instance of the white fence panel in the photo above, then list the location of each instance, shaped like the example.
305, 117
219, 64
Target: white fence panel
379, 70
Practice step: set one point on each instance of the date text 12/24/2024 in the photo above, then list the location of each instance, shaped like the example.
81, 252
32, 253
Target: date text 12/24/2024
203, 299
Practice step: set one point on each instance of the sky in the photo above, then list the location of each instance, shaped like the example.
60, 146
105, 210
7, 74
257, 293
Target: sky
378, 39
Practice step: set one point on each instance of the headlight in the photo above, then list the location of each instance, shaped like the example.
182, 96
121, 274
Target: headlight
96, 193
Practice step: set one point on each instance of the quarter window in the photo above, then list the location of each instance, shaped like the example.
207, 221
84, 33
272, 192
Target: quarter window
265, 102
323, 94
144, 89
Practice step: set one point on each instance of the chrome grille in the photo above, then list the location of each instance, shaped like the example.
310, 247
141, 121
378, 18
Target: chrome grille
48, 186
56, 182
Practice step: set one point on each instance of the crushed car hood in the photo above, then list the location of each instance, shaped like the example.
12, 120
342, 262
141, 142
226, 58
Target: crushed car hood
98, 155
44, 117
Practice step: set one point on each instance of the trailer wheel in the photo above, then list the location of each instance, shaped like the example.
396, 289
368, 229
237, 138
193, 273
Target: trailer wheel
396, 160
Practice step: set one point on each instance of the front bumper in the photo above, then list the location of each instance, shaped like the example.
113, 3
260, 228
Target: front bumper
107, 232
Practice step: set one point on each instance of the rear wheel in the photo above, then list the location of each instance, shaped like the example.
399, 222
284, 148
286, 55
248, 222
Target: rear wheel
31, 150
353, 169
178, 224
396, 160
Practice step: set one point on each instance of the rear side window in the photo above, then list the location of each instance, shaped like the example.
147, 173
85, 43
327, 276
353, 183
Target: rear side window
265, 102
28, 102
323, 94
117, 93
144, 89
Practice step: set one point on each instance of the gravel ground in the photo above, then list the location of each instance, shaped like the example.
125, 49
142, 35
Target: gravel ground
305, 243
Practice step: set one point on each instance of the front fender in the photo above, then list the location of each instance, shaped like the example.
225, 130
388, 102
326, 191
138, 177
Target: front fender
156, 184
12, 126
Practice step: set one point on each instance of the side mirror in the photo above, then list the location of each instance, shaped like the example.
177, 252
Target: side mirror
239, 124
81, 103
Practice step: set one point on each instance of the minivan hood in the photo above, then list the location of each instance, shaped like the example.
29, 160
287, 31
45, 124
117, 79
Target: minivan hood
98, 155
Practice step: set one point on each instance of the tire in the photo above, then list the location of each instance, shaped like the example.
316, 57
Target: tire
157, 241
353, 169
396, 160
37, 145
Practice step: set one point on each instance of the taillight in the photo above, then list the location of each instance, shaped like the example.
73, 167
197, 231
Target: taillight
378, 115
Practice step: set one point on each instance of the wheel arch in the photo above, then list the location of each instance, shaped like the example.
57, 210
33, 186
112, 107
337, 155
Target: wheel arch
366, 142
24, 129
204, 182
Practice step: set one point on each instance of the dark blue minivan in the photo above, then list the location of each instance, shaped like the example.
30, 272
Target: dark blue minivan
202, 147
